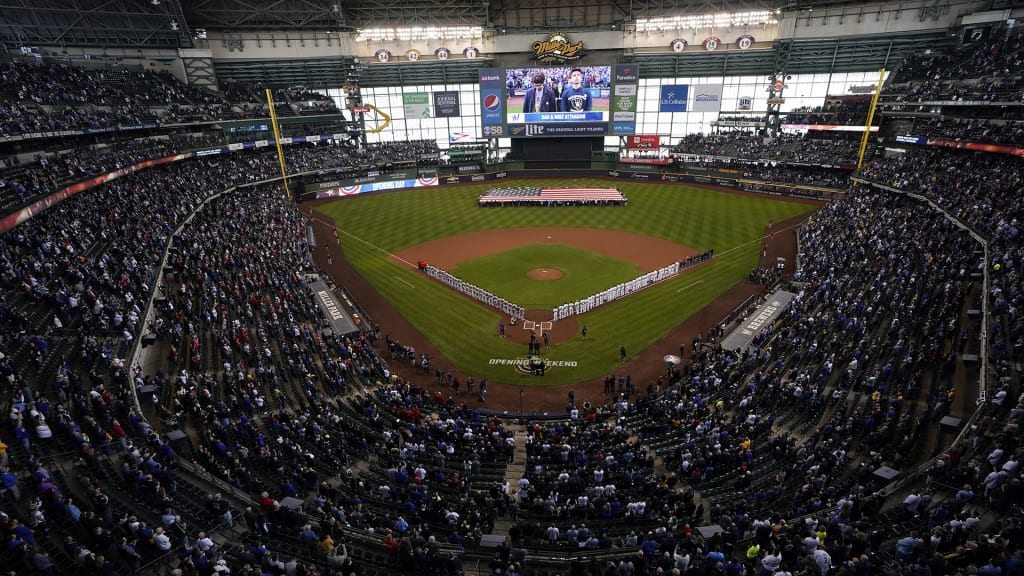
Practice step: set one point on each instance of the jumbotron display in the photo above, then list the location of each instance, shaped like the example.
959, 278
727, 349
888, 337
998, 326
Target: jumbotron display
569, 100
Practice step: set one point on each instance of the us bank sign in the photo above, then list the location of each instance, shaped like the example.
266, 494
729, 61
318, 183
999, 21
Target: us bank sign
557, 49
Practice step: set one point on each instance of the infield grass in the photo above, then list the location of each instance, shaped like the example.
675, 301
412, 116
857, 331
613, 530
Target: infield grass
505, 274
376, 225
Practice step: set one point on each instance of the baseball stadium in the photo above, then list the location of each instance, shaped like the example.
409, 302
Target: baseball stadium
350, 288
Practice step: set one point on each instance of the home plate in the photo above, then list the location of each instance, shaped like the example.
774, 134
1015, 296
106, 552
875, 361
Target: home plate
549, 237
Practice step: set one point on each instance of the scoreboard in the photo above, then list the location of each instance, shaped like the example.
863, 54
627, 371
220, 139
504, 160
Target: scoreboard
564, 101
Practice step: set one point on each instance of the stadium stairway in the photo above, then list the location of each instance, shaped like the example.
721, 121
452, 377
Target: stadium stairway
513, 472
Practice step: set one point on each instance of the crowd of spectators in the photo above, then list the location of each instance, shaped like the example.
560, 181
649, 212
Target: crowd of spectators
809, 148
48, 96
791, 427
987, 70
23, 182
959, 94
333, 463
842, 112
970, 128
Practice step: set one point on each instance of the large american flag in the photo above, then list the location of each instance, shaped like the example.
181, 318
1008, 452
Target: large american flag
545, 195
581, 194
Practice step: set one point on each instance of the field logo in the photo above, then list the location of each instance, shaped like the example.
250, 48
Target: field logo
557, 49
529, 365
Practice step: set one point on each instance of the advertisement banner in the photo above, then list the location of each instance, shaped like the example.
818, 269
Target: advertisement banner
624, 128
624, 99
578, 129
417, 104
673, 98
421, 182
491, 112
492, 107
446, 104
644, 141
707, 98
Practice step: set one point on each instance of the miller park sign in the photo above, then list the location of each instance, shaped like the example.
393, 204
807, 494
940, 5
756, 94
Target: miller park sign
557, 49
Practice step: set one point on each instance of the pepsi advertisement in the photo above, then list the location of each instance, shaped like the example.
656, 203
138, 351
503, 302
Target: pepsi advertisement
492, 105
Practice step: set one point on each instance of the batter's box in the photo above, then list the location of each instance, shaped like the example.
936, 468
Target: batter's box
546, 326
529, 325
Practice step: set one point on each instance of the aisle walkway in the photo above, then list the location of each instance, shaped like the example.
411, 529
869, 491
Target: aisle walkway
513, 473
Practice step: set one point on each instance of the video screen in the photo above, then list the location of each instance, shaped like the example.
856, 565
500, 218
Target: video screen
557, 94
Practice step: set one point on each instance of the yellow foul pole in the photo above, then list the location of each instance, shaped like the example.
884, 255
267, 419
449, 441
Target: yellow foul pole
277, 140
871, 117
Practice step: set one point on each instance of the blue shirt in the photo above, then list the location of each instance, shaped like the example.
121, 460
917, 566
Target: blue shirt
576, 99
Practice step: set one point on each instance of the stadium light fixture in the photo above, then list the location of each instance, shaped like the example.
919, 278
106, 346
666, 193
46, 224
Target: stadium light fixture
720, 20
412, 33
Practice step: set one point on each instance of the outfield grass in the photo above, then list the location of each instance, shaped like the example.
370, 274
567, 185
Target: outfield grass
504, 274
376, 225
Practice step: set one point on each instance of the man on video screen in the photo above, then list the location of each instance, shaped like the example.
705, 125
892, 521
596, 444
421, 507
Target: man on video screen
576, 98
541, 98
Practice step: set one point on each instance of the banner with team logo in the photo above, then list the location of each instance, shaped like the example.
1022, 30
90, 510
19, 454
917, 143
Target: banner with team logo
707, 98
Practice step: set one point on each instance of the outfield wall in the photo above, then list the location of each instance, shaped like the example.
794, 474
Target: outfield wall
712, 178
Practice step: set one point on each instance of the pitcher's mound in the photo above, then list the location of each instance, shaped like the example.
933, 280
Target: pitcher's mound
544, 274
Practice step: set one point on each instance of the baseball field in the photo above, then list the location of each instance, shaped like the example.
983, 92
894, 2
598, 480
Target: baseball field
540, 257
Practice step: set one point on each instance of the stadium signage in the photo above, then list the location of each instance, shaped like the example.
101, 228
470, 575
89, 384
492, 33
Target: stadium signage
870, 89
625, 74
557, 49
643, 141
477, 178
329, 305
673, 98
650, 161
